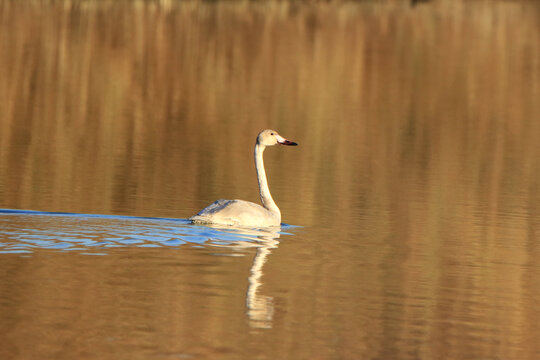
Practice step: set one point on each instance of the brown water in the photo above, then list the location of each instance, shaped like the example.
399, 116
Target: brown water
414, 193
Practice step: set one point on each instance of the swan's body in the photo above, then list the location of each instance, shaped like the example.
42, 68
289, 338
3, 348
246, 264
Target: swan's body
245, 213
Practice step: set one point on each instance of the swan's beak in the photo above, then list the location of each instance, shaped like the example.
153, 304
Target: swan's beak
284, 141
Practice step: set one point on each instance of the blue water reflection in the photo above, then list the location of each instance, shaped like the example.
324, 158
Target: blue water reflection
24, 231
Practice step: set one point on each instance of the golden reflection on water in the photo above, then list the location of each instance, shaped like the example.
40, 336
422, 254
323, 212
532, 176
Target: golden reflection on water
417, 177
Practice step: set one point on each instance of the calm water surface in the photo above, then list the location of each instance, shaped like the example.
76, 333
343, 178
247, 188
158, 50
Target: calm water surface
413, 198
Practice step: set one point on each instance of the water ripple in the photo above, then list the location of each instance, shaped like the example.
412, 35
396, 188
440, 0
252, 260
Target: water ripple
24, 232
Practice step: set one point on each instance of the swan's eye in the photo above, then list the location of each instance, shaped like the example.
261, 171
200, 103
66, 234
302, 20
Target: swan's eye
272, 134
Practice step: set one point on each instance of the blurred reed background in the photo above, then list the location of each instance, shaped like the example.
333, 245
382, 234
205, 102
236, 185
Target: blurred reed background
151, 108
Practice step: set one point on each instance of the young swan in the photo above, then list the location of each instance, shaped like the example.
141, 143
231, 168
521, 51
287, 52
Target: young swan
245, 213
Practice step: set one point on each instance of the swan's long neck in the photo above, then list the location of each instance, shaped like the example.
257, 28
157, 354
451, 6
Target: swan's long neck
264, 191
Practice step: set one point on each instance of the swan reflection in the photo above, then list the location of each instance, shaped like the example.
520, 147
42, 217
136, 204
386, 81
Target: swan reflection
259, 308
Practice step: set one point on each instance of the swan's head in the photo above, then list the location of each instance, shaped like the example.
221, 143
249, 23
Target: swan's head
271, 137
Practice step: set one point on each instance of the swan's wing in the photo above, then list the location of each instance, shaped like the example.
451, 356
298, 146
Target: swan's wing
214, 207
235, 212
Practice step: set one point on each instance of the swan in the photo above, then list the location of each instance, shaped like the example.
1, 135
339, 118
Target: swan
245, 213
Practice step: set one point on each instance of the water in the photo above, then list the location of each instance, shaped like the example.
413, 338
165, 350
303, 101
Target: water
412, 197
123, 268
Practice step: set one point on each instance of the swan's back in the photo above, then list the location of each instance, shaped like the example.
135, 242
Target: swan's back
236, 212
